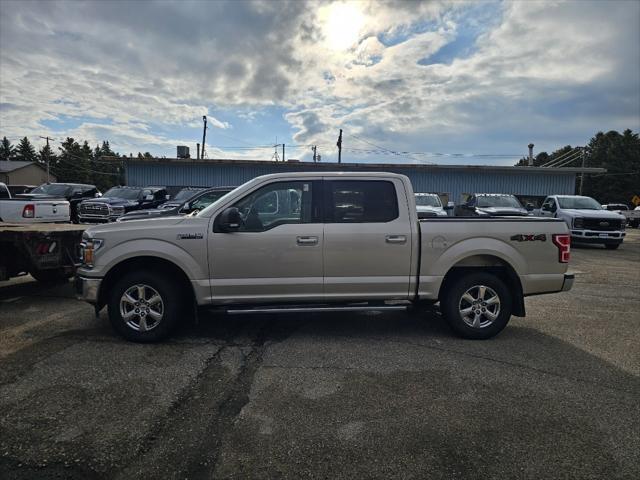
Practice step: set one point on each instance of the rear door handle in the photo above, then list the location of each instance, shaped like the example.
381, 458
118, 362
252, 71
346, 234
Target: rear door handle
396, 239
307, 240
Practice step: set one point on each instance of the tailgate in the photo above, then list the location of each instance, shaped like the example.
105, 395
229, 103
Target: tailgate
51, 211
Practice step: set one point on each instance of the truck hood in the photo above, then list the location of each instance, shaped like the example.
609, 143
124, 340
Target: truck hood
574, 212
112, 201
429, 209
504, 211
147, 224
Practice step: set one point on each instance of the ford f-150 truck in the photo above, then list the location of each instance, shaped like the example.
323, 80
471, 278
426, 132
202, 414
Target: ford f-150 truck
588, 222
297, 242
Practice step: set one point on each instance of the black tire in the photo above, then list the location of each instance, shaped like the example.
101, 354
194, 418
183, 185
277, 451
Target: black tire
172, 306
51, 276
452, 303
635, 224
611, 246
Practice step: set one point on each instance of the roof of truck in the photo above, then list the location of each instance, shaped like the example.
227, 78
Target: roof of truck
333, 174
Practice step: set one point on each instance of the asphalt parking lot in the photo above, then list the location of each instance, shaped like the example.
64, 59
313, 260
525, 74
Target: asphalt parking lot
556, 395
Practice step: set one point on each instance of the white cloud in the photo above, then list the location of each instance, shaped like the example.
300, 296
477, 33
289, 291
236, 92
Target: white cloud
548, 72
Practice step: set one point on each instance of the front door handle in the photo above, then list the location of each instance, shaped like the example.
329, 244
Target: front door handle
307, 240
396, 239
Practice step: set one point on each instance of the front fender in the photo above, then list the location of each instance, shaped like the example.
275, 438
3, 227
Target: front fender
193, 262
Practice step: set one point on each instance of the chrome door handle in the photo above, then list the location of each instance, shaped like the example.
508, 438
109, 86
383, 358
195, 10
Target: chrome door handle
307, 240
396, 239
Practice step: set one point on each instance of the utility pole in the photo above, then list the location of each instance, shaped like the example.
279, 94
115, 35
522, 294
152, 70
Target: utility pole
339, 144
531, 145
583, 155
315, 159
197, 151
283, 152
47, 139
204, 135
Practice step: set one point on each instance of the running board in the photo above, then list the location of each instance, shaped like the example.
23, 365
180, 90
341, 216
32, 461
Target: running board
299, 309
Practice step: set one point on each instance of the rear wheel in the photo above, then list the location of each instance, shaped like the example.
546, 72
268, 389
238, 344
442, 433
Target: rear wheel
477, 305
611, 246
145, 307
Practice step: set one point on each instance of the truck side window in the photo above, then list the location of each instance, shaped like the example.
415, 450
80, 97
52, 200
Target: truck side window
276, 204
361, 201
4, 192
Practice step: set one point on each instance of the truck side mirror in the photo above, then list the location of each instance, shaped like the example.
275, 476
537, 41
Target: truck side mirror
230, 220
530, 207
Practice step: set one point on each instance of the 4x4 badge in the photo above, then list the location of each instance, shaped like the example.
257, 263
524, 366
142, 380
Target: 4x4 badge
541, 237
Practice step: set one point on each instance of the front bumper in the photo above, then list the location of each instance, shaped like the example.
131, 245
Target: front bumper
594, 236
88, 289
569, 278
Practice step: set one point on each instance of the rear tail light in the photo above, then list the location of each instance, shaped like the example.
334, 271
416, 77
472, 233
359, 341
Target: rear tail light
29, 211
563, 242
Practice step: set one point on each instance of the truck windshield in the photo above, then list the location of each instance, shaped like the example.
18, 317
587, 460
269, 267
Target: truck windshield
498, 201
579, 203
126, 193
204, 211
52, 189
428, 201
186, 193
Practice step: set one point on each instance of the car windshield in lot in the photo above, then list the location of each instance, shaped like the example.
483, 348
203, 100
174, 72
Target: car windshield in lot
52, 189
428, 201
579, 203
126, 193
498, 201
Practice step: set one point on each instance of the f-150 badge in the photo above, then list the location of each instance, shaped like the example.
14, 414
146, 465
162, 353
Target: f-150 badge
190, 236
541, 237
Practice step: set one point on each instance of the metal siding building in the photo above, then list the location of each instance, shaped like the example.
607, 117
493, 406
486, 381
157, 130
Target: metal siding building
451, 179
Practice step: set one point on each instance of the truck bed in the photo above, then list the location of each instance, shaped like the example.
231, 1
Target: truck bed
6, 227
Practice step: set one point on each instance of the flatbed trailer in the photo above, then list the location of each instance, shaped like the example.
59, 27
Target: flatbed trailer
48, 251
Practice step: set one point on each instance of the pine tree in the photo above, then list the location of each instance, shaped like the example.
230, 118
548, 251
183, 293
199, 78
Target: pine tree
6, 149
25, 151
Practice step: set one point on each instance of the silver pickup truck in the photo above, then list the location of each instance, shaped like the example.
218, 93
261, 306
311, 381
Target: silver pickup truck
298, 242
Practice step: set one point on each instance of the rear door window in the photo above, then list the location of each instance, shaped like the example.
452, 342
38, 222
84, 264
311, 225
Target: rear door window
360, 201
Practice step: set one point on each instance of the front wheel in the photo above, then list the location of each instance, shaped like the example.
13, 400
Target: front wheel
477, 305
145, 307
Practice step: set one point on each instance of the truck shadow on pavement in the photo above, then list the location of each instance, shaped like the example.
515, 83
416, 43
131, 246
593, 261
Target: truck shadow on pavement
362, 395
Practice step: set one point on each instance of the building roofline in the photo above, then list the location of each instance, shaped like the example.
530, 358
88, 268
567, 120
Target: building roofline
356, 166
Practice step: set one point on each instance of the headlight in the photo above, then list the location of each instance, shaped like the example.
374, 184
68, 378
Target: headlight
89, 247
578, 223
117, 210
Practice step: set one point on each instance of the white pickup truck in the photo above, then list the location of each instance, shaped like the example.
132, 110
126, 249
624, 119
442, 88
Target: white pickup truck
588, 222
298, 242
18, 210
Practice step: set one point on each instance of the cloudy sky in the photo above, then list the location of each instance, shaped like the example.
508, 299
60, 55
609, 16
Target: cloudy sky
479, 78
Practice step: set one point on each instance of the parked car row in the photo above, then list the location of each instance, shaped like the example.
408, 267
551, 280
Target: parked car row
587, 220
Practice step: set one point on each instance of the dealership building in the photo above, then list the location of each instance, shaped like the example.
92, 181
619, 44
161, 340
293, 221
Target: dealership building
530, 183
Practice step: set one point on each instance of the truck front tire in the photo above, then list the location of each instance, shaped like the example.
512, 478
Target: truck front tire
145, 307
477, 305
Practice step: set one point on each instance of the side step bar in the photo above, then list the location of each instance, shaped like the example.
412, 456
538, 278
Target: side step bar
328, 308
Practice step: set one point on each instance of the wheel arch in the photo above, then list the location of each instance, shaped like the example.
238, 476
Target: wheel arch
145, 263
488, 264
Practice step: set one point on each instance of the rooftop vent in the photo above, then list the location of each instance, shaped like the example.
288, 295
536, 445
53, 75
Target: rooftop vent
183, 151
